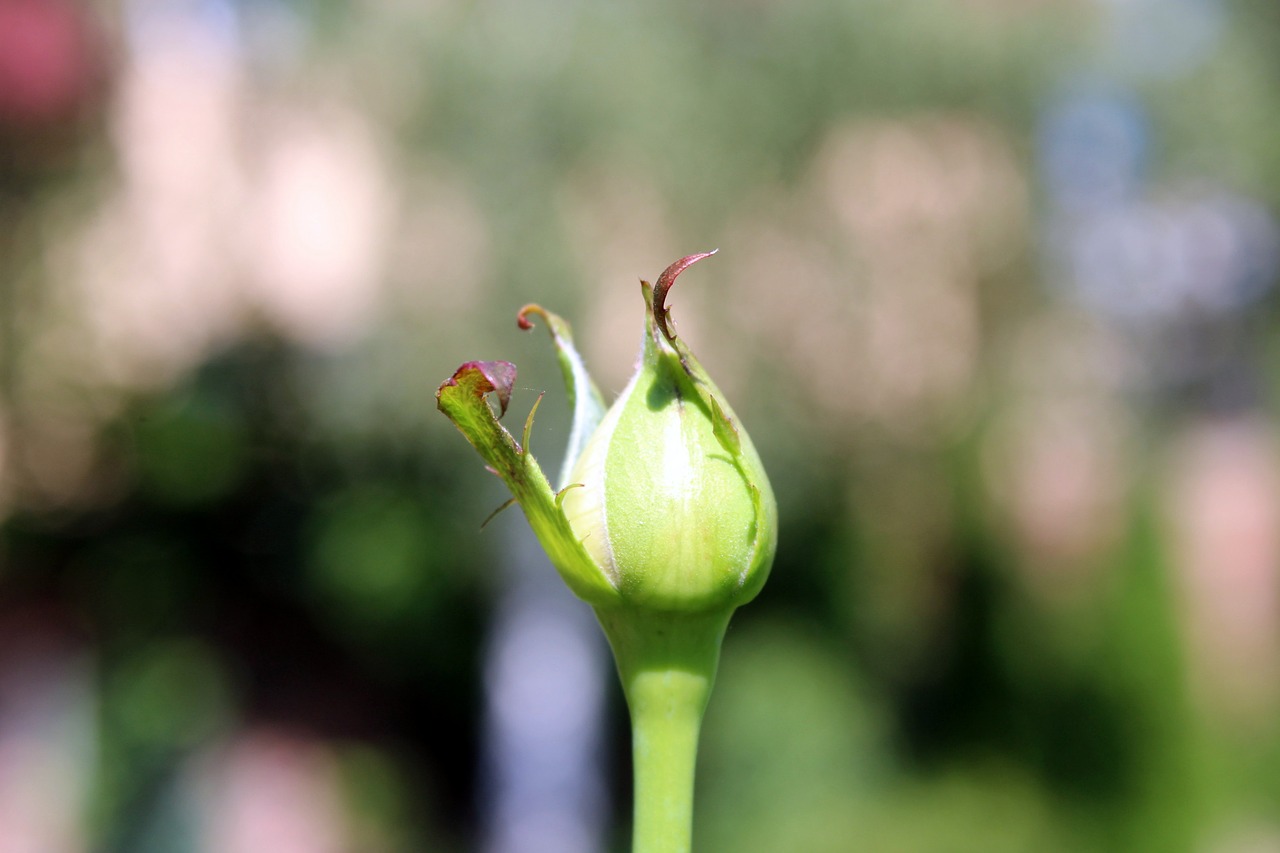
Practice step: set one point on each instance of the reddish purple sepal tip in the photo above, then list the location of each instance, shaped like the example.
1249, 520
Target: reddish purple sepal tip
500, 376
668, 278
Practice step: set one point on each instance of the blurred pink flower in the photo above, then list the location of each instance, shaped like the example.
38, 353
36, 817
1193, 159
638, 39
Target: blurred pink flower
274, 791
49, 61
1223, 512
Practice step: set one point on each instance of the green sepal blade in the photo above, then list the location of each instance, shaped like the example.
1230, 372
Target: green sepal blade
585, 399
462, 398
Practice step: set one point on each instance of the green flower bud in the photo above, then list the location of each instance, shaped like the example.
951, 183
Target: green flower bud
673, 504
664, 503
663, 521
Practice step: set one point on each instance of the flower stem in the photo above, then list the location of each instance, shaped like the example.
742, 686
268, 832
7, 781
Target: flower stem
667, 662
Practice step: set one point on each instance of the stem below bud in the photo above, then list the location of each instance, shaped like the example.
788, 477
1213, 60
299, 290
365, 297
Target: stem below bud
667, 662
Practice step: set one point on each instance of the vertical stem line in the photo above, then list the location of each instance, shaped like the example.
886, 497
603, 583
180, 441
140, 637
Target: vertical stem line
667, 662
666, 717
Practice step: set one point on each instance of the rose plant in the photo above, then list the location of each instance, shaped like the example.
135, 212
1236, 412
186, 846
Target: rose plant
663, 521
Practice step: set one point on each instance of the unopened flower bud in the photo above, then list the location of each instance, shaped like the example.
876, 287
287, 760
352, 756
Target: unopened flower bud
669, 497
664, 504
663, 521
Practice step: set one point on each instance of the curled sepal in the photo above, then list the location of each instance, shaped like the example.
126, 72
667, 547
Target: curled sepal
584, 397
462, 398
661, 314
499, 377
662, 343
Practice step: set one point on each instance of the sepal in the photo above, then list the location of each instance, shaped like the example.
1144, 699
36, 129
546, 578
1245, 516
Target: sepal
584, 397
463, 399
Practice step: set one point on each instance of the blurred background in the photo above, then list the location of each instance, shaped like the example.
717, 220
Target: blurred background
996, 299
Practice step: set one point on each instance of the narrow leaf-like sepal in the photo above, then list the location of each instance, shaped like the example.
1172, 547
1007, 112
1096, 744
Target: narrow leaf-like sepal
584, 397
463, 399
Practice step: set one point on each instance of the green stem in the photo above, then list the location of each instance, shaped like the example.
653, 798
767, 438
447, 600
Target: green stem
667, 662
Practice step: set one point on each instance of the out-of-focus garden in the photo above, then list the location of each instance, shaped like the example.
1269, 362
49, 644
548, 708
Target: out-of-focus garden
996, 298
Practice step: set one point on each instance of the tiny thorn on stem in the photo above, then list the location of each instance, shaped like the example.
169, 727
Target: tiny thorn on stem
560, 494
668, 278
496, 513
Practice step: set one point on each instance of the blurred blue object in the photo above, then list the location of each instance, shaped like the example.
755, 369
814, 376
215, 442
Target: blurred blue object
1160, 258
544, 788
1094, 148
151, 23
